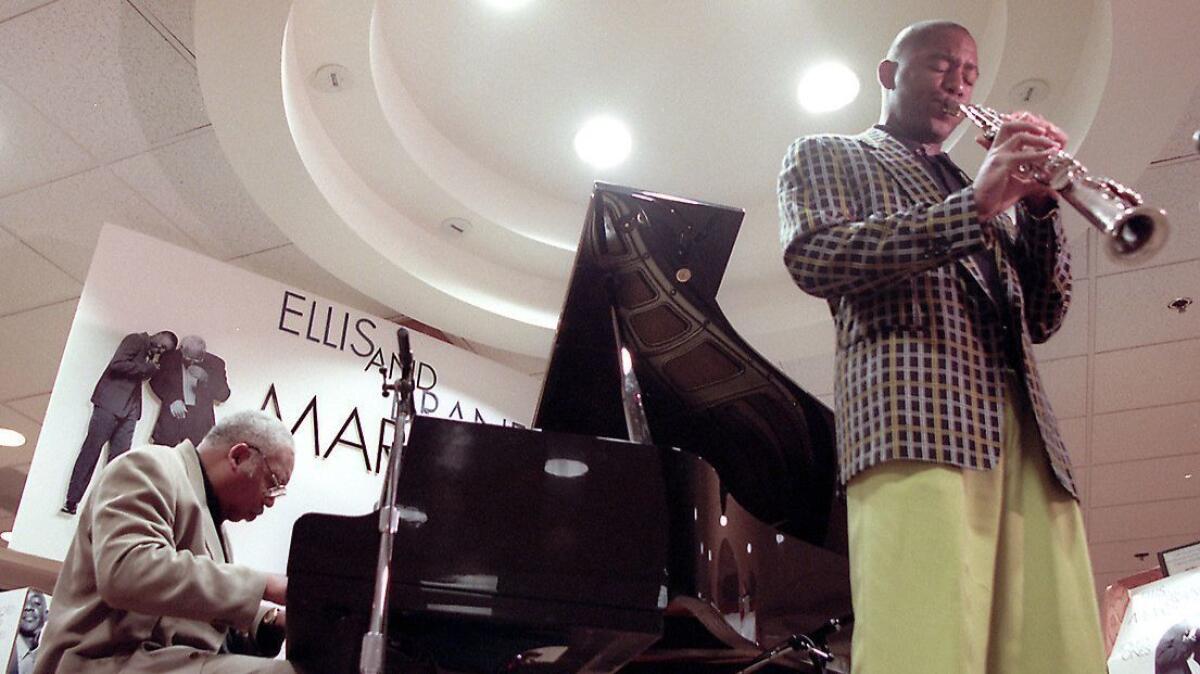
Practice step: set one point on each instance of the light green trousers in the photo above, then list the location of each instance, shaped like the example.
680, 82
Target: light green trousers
956, 571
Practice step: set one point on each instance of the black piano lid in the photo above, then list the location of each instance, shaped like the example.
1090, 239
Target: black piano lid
656, 262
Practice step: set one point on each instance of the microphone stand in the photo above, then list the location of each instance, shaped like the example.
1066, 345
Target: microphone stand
815, 645
371, 658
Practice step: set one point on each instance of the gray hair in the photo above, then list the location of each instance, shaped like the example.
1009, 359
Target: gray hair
193, 343
253, 427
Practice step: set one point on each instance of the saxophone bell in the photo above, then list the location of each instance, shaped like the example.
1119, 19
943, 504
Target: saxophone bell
1133, 230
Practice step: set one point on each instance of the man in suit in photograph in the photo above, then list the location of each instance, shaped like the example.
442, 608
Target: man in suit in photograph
189, 382
967, 548
148, 584
29, 633
117, 405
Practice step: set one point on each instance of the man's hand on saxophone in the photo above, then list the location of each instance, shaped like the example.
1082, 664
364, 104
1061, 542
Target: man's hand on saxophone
1004, 175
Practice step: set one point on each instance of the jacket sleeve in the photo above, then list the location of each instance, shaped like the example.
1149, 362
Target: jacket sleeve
832, 247
138, 564
165, 381
131, 359
1043, 264
217, 383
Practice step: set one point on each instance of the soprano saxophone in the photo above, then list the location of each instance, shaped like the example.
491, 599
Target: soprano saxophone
1134, 231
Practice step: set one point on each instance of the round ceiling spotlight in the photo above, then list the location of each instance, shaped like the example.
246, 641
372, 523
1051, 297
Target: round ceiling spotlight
826, 87
603, 142
11, 438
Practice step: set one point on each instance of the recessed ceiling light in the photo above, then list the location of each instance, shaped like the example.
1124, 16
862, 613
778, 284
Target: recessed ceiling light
603, 142
826, 87
11, 438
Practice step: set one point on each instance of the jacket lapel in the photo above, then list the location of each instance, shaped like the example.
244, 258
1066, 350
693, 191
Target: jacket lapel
212, 541
911, 176
903, 166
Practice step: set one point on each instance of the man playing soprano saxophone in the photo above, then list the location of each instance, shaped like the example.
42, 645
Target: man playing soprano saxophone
967, 545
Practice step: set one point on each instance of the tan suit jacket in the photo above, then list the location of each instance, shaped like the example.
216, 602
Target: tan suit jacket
146, 585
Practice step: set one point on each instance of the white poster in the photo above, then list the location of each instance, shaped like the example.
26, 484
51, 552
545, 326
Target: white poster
23, 616
1161, 630
266, 345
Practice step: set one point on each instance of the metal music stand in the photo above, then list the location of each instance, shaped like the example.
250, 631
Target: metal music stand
374, 642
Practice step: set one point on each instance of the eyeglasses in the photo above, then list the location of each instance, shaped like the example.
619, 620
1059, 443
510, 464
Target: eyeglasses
277, 488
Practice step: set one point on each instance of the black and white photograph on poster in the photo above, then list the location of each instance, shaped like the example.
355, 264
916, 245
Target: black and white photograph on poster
116, 406
161, 372
23, 615
1160, 630
189, 383
1177, 649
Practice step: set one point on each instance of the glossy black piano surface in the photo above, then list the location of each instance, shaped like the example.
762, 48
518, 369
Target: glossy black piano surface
685, 555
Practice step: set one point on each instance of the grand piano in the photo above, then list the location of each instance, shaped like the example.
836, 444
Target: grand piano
673, 508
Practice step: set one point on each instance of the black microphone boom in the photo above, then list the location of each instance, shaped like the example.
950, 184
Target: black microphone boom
406, 359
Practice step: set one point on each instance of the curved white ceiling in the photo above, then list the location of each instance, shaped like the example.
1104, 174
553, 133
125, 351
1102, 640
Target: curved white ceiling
458, 110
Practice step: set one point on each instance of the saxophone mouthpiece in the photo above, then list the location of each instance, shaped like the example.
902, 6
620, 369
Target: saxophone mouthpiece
952, 109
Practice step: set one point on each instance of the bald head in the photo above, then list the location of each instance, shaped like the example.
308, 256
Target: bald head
930, 69
920, 33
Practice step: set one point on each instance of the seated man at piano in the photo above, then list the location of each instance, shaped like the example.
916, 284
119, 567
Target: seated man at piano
148, 583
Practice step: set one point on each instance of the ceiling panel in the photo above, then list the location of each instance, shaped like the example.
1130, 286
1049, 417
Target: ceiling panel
288, 265
176, 16
1163, 374
1072, 338
1146, 433
1131, 308
28, 280
1145, 480
191, 183
101, 73
11, 8
1171, 187
1180, 142
1160, 518
33, 344
1065, 382
35, 151
1121, 555
33, 407
62, 220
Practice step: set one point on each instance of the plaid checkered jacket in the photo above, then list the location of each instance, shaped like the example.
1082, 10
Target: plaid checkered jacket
921, 343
